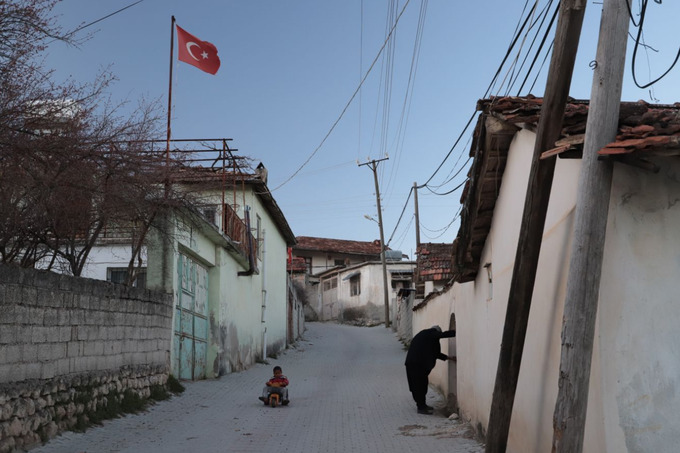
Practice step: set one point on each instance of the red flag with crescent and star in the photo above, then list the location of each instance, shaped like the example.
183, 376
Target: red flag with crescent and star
201, 54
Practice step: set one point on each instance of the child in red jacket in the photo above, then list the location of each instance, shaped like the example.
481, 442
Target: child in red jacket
277, 384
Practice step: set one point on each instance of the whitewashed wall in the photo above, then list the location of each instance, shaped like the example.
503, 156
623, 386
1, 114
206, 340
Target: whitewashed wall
634, 399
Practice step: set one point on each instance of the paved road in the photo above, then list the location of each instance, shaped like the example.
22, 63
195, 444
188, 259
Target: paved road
348, 393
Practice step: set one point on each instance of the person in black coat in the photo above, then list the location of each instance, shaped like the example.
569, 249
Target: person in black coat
420, 359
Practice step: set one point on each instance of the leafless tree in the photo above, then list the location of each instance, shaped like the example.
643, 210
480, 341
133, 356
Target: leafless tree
72, 162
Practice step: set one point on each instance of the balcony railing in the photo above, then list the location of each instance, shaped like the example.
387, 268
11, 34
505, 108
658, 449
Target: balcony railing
236, 230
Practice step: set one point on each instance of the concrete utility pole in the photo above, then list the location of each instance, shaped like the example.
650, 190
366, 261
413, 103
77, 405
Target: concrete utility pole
374, 166
533, 222
590, 225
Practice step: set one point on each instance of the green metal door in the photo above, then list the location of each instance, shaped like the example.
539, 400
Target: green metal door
191, 320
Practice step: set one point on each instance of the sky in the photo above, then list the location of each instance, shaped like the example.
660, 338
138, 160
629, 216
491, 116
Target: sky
290, 68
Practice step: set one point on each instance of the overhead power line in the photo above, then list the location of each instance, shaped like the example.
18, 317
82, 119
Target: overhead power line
342, 113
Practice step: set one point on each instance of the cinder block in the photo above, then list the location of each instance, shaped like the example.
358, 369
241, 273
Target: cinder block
33, 370
63, 317
64, 334
63, 367
12, 294
94, 348
8, 334
48, 370
52, 334
74, 349
39, 334
50, 316
52, 352
10, 354
12, 373
29, 353
48, 297
29, 295
77, 317
21, 314
36, 315
78, 365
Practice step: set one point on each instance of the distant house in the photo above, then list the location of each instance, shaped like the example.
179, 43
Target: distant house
356, 293
321, 254
434, 267
632, 404
344, 274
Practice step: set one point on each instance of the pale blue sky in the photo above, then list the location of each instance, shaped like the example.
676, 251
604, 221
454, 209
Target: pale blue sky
290, 67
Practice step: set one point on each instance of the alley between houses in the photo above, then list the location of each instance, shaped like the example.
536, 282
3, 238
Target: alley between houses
348, 393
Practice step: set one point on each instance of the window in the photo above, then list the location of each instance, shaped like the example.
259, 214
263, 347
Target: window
331, 283
120, 275
308, 263
355, 285
210, 213
339, 262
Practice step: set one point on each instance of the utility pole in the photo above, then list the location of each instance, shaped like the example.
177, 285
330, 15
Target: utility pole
533, 222
415, 206
590, 225
374, 167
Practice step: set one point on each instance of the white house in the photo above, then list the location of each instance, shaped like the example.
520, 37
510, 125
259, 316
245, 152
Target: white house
357, 292
633, 403
225, 262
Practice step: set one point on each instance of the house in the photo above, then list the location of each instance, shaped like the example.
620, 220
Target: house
321, 254
224, 260
356, 292
343, 278
632, 404
312, 255
434, 267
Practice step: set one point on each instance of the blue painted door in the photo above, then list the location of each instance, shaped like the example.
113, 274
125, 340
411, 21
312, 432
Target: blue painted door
191, 320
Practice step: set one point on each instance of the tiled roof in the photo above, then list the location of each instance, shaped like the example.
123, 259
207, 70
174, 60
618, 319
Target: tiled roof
434, 262
644, 130
307, 243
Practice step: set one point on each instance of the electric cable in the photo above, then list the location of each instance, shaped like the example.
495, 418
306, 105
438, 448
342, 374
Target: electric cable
643, 13
342, 113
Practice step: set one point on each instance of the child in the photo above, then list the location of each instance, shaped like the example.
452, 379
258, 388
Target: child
277, 384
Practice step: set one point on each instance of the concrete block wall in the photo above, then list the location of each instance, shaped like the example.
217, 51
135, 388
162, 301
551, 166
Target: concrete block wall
58, 328
55, 325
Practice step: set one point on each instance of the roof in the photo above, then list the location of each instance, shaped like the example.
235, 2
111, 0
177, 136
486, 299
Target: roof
434, 261
297, 264
312, 244
644, 130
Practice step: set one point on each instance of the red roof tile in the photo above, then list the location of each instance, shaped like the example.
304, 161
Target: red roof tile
434, 261
307, 243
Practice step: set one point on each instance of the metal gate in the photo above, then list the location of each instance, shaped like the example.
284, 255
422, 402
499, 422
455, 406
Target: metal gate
191, 320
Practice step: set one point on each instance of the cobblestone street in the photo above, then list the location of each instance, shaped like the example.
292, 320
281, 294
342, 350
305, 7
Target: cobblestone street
348, 393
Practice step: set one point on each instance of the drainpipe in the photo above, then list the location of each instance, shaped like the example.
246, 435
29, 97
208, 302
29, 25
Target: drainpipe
264, 297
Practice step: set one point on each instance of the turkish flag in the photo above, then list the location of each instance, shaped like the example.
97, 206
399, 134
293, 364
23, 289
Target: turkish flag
201, 54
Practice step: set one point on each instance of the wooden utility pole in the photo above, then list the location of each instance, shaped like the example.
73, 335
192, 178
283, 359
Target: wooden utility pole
533, 222
374, 167
415, 207
590, 224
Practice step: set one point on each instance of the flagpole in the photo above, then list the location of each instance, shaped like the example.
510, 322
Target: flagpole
172, 50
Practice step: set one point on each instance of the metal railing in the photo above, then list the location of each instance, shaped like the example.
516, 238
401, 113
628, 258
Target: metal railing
235, 228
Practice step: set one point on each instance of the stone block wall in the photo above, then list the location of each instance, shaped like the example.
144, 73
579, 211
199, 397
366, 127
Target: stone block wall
66, 343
